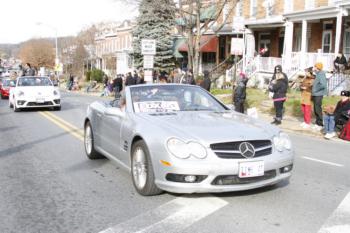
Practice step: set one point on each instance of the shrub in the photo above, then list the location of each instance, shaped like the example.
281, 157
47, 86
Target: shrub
96, 75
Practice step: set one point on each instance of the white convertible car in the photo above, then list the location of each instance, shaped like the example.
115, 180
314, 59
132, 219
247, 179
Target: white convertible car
34, 92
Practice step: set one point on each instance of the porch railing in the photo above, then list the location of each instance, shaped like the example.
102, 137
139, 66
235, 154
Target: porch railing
302, 61
336, 80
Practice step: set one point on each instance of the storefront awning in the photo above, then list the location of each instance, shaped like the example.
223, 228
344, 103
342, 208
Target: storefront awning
177, 43
207, 44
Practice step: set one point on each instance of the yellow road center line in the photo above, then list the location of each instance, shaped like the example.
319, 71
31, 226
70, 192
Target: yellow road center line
69, 125
71, 130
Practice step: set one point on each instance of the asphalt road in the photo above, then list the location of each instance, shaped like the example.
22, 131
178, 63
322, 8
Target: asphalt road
48, 185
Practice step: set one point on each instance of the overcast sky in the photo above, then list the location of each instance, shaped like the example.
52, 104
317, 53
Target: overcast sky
19, 18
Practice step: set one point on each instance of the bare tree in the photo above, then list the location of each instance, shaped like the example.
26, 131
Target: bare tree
38, 52
195, 24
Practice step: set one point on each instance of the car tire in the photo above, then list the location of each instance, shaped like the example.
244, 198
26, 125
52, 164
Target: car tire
90, 151
142, 170
15, 109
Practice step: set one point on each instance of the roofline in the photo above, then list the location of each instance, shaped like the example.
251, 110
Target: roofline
311, 14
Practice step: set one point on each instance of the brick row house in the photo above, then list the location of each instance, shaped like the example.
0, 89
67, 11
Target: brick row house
114, 48
294, 33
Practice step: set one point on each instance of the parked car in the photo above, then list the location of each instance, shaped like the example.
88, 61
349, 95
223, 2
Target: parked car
34, 92
181, 139
5, 85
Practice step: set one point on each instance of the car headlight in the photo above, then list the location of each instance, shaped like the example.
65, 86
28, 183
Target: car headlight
183, 150
20, 93
55, 92
282, 142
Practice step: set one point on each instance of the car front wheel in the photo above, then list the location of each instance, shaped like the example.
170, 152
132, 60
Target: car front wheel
89, 143
142, 170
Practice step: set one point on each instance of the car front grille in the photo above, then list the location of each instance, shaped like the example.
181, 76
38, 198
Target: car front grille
40, 104
230, 150
234, 179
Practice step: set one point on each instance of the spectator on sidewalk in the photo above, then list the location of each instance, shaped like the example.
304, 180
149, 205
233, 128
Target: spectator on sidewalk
340, 63
70, 82
279, 87
129, 81
306, 88
118, 85
206, 81
240, 93
334, 115
319, 89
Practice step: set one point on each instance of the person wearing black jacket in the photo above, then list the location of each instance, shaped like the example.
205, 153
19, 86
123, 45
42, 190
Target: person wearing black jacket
239, 95
340, 63
206, 81
118, 85
129, 81
279, 86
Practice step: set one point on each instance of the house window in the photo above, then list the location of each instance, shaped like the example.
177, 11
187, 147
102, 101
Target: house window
225, 12
346, 42
327, 41
309, 4
288, 6
268, 4
208, 58
239, 8
253, 8
264, 44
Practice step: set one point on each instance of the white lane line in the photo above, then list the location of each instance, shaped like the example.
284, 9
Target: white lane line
174, 216
339, 221
322, 161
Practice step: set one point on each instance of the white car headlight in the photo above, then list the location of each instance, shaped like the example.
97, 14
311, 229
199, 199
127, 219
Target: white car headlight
197, 150
178, 148
183, 150
20, 93
282, 142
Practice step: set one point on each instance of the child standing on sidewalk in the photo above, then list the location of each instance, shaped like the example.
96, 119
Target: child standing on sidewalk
306, 89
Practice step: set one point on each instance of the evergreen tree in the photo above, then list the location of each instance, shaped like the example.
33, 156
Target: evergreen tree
155, 21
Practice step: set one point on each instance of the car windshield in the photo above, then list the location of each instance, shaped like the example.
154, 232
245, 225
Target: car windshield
34, 81
7, 82
170, 98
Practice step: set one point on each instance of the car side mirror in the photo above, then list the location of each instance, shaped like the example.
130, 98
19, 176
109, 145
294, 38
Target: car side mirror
113, 111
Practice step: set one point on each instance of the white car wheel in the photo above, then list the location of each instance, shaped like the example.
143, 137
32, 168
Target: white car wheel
89, 143
142, 170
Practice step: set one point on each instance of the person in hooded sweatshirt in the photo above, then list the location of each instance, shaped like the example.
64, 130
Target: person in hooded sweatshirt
240, 94
279, 86
206, 81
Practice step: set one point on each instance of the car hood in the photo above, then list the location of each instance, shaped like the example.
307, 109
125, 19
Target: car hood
36, 91
211, 127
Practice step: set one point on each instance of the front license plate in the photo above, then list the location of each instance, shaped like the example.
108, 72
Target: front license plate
40, 100
251, 169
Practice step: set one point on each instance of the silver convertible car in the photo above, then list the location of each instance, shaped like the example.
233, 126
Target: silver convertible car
181, 139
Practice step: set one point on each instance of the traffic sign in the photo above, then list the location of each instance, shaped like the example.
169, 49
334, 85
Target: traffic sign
148, 47
237, 46
148, 61
148, 76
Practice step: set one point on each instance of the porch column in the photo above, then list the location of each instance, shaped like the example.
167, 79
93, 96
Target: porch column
303, 43
288, 45
338, 32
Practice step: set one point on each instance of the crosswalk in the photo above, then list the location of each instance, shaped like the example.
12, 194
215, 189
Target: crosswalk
174, 216
182, 212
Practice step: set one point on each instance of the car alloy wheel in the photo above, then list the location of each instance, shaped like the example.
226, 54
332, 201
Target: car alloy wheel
139, 168
91, 153
142, 170
88, 139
